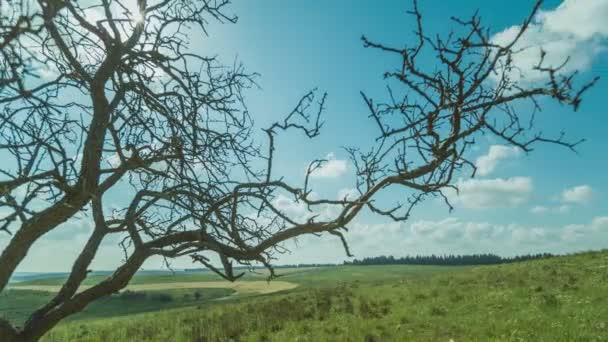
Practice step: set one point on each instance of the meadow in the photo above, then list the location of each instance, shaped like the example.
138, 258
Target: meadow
556, 299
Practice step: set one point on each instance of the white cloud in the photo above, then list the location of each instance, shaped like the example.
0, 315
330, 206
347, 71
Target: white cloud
444, 236
114, 160
598, 228
426, 228
348, 194
576, 29
480, 230
560, 209
492, 193
453, 228
457, 230
600, 223
573, 232
454, 235
527, 235
487, 163
539, 209
332, 168
289, 206
582, 19
300, 212
577, 195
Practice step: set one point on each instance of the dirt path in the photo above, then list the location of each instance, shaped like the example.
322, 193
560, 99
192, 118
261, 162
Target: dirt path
241, 287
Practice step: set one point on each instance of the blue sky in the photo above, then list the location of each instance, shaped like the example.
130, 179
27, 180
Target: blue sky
303, 45
550, 200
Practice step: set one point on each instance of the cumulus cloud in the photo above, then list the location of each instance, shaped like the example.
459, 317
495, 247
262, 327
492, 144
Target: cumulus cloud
539, 209
576, 29
492, 193
332, 168
577, 232
453, 228
442, 236
299, 211
559, 209
577, 195
600, 224
526, 235
79, 227
487, 163
348, 194
580, 194
458, 236
573, 232
289, 206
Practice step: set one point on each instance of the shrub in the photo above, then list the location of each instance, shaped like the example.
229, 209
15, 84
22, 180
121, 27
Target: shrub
132, 295
438, 311
165, 297
549, 300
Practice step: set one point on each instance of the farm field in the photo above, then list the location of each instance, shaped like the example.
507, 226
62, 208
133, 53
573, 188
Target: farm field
17, 305
243, 287
557, 299
160, 292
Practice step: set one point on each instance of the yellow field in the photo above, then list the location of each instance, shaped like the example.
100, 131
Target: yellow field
241, 287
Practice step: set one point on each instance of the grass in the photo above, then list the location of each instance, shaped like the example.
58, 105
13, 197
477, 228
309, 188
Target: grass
16, 305
161, 278
242, 287
558, 299
18, 302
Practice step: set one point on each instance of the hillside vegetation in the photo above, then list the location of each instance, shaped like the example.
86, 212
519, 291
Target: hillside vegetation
557, 299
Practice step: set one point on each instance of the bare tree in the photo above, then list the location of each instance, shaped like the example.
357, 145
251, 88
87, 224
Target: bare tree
102, 96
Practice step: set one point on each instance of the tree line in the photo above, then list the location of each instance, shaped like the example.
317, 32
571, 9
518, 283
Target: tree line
446, 260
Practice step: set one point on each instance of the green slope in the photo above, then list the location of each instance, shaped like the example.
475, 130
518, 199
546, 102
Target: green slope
558, 299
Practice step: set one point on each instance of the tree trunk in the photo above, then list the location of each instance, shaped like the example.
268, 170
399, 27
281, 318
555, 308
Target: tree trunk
7, 332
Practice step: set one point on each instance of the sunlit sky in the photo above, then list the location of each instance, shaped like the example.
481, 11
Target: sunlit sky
551, 200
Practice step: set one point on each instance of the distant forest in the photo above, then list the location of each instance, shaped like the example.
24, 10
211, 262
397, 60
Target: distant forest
446, 260
435, 260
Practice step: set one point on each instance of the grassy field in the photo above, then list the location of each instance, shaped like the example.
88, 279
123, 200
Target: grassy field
165, 277
558, 299
18, 304
242, 287
20, 300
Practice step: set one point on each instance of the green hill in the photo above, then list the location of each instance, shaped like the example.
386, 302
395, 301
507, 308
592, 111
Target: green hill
558, 299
